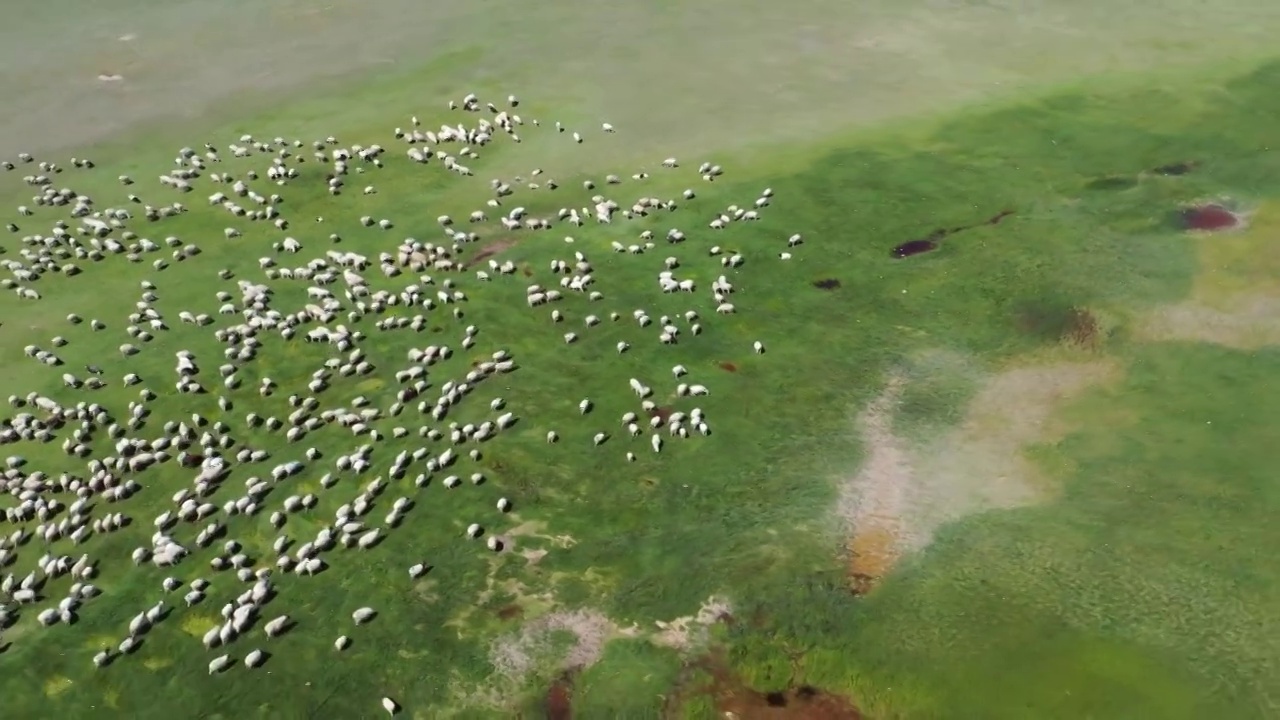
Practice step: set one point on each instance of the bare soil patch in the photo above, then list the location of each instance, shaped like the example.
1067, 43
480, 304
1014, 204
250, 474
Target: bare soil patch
1073, 326
873, 503
1082, 329
1246, 322
690, 631
515, 656
662, 412
490, 250
559, 702
735, 700
903, 493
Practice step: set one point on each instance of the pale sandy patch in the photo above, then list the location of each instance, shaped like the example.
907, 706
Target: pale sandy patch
1246, 322
515, 656
904, 492
690, 631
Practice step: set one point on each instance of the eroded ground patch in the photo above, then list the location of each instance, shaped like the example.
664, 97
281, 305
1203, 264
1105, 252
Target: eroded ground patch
905, 490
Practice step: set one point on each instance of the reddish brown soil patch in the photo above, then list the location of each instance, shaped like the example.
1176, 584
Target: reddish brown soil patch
735, 700
663, 412
509, 612
1208, 218
727, 366
488, 251
1082, 329
559, 702
872, 554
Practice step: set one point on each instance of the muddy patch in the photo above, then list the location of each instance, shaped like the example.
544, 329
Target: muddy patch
917, 247
1210, 217
559, 700
933, 240
827, 284
727, 366
711, 677
904, 491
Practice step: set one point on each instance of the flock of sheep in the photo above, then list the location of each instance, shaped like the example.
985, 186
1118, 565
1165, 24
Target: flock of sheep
219, 481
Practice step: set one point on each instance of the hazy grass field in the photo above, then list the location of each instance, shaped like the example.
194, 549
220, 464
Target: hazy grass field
1045, 443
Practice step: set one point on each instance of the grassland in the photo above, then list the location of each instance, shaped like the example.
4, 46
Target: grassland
1137, 585
771, 72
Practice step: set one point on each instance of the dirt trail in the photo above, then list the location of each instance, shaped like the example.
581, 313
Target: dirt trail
903, 492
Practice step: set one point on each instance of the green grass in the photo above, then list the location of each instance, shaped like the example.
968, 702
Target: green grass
1142, 592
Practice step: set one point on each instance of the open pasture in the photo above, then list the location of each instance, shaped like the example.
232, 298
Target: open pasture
1024, 380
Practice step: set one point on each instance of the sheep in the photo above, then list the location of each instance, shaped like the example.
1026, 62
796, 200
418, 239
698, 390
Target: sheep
363, 615
276, 626
390, 706
254, 659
